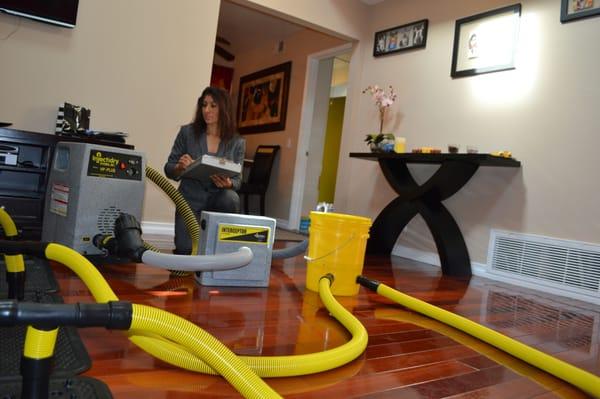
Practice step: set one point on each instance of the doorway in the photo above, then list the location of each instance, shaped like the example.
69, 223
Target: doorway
333, 128
237, 25
320, 131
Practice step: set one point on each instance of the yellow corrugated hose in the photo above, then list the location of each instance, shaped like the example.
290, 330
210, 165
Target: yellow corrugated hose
8, 225
582, 379
180, 354
203, 345
39, 344
278, 366
14, 263
189, 218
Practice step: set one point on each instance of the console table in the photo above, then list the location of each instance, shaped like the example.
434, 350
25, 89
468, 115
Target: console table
426, 199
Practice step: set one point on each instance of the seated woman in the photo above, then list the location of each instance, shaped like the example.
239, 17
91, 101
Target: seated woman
212, 132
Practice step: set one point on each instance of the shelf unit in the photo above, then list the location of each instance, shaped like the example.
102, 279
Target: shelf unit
23, 186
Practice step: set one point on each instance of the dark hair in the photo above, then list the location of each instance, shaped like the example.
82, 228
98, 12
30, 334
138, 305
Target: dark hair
226, 115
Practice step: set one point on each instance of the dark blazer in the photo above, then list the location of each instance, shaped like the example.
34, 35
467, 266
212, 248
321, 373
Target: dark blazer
189, 142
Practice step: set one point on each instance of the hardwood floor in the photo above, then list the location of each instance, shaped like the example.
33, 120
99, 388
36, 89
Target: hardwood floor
408, 355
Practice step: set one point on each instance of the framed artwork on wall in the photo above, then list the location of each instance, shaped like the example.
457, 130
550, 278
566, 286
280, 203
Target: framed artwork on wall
400, 38
486, 42
221, 77
576, 9
262, 99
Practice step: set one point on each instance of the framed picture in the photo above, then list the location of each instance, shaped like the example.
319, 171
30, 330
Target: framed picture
576, 9
222, 77
262, 99
486, 42
401, 38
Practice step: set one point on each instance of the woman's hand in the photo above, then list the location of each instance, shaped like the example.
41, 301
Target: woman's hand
185, 161
222, 181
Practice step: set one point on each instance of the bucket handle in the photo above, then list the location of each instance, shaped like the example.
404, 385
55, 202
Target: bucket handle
348, 241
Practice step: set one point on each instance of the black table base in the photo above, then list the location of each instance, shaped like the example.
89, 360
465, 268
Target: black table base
426, 200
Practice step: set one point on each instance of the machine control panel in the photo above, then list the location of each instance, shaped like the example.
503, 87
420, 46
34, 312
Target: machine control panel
114, 165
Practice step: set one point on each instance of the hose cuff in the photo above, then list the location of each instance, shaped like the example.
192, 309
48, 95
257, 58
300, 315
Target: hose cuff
16, 285
328, 276
36, 377
34, 248
368, 283
114, 315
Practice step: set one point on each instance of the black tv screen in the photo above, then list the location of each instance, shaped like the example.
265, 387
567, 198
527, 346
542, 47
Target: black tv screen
57, 12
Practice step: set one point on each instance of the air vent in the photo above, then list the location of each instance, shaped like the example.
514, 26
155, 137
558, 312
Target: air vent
106, 219
570, 265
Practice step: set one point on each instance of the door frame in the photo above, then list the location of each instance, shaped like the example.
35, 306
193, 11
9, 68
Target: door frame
306, 117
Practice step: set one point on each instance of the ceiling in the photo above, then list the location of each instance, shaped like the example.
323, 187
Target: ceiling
246, 28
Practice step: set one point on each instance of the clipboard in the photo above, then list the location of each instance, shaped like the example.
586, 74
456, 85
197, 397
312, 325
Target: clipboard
208, 165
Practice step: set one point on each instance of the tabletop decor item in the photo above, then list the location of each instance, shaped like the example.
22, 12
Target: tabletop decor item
380, 142
383, 100
72, 119
400, 145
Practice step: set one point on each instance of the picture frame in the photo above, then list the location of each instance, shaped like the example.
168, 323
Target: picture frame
486, 42
263, 98
571, 10
400, 38
222, 77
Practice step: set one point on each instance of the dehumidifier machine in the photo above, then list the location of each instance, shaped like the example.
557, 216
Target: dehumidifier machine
223, 233
88, 187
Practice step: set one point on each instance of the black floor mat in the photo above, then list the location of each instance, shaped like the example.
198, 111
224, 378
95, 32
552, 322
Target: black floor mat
70, 356
38, 277
67, 388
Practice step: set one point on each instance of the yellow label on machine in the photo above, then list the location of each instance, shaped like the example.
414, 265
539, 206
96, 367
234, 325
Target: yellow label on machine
241, 233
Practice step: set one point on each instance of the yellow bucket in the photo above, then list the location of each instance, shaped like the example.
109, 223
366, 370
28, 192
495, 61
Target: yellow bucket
336, 245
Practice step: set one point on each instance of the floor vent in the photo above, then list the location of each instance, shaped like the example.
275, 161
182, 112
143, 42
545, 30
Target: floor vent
562, 264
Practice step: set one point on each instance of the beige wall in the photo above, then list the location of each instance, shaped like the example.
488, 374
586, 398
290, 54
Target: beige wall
139, 65
296, 49
545, 112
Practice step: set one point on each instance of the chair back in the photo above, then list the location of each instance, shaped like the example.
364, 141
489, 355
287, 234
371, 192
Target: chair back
260, 172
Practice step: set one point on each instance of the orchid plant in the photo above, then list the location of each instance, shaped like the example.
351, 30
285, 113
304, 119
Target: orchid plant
382, 99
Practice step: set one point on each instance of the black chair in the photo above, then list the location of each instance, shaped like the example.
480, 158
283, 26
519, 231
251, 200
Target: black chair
259, 175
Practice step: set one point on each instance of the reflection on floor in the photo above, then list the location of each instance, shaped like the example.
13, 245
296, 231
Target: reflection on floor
408, 355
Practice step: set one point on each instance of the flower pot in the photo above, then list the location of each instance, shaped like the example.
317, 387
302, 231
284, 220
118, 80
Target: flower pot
386, 146
375, 147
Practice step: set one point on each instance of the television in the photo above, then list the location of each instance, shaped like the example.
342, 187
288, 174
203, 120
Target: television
56, 12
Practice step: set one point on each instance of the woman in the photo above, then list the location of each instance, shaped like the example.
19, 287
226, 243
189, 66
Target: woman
212, 132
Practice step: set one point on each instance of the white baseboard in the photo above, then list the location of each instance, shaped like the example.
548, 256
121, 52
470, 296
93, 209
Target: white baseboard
416, 254
283, 223
158, 228
481, 270
478, 269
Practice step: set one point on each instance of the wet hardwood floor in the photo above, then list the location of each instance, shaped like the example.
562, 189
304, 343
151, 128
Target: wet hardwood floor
408, 355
